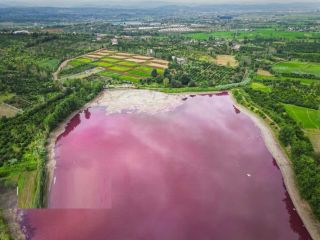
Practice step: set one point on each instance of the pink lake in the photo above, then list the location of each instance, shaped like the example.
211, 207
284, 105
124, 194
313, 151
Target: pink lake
201, 172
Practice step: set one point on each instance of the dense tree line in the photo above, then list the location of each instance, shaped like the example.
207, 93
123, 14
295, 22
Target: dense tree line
23, 138
305, 162
26, 65
293, 92
196, 74
27, 62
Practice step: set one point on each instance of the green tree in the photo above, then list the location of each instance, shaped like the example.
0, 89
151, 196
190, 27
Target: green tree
154, 73
185, 79
166, 73
166, 82
286, 135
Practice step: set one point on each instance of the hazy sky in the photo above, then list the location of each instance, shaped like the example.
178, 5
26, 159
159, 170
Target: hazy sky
130, 2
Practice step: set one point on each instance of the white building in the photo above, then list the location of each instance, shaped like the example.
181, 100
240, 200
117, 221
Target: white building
114, 41
150, 52
180, 61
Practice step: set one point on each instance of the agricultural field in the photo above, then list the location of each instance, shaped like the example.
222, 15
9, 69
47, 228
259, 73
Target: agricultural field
308, 118
80, 61
139, 73
102, 64
314, 136
251, 34
226, 60
264, 73
305, 81
260, 87
299, 68
119, 66
108, 59
7, 110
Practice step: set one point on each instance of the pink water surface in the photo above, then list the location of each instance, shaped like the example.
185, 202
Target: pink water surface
200, 172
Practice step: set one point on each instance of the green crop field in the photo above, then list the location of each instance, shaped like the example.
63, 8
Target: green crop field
149, 69
144, 69
304, 81
103, 64
260, 87
79, 61
120, 68
108, 59
110, 74
308, 118
128, 64
258, 33
298, 68
139, 73
129, 78
84, 59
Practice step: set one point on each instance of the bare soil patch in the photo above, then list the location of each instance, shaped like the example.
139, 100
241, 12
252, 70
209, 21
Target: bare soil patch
226, 60
142, 57
53, 30
159, 61
102, 54
7, 110
265, 73
107, 51
118, 57
124, 54
135, 60
137, 101
94, 56
156, 65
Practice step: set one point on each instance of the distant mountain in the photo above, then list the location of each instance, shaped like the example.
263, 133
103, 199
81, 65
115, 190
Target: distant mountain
143, 4
124, 12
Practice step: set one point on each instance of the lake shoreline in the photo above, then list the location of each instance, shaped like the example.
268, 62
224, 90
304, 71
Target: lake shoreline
284, 163
100, 100
270, 140
50, 147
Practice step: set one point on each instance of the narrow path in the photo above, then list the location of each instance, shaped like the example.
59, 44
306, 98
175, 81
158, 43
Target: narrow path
55, 75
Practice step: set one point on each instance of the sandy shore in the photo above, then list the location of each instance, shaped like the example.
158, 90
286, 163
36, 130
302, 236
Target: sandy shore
286, 168
137, 100
153, 102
